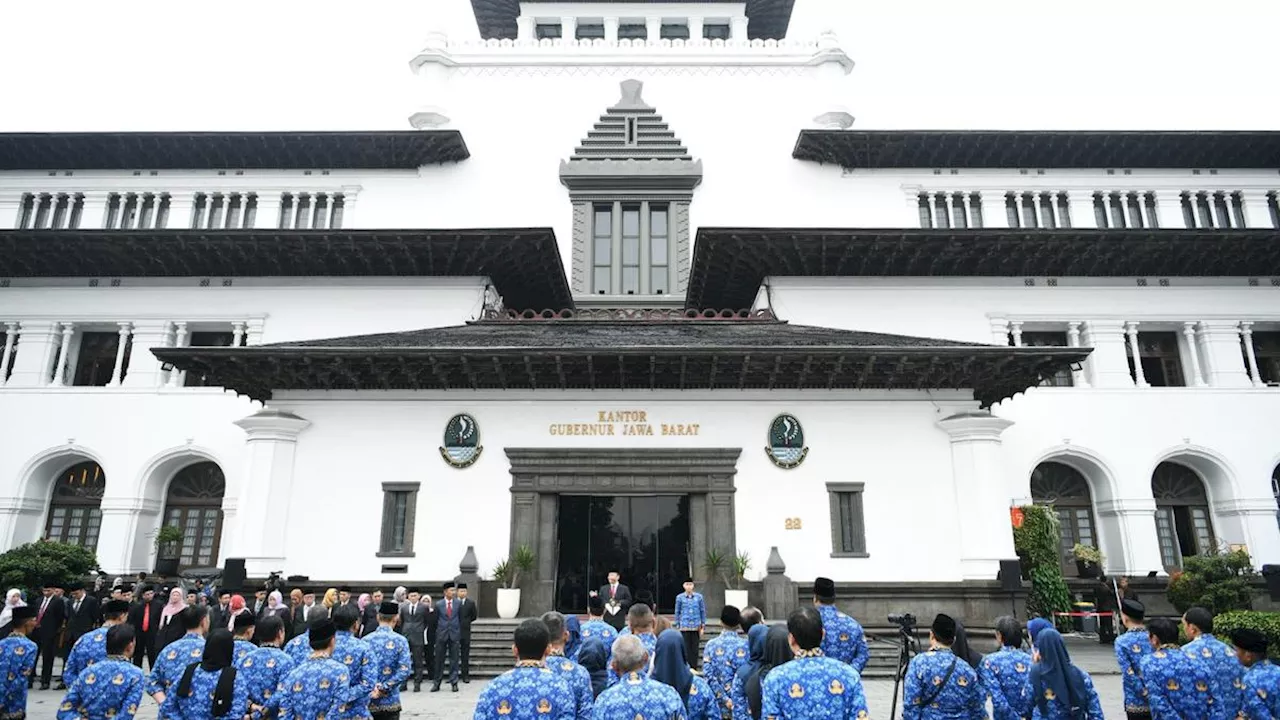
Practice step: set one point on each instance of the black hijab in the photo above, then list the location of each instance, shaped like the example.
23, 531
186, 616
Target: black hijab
962, 650
777, 651
219, 653
595, 658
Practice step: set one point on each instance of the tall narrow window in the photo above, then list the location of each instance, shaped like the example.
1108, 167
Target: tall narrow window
848, 530
1063, 487
630, 250
194, 506
75, 514
602, 250
631, 131
1183, 524
658, 250
1266, 349
1161, 364
399, 510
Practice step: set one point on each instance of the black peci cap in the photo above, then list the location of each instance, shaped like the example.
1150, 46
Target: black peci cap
23, 612
115, 607
322, 631
1249, 640
389, 608
245, 620
462, 586
824, 589
730, 616
1133, 609
595, 605
944, 628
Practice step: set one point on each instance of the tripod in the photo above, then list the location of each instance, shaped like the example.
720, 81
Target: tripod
910, 647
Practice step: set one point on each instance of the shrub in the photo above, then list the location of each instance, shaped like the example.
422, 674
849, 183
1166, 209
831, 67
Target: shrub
44, 562
1037, 545
1266, 623
1218, 582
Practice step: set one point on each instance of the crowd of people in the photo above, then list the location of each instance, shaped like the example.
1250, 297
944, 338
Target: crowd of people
229, 658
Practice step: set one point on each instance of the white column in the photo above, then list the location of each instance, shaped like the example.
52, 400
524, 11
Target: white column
237, 334
253, 331
1169, 209
266, 488
653, 29
1189, 332
1246, 336
179, 340
1108, 361
994, 214
144, 368
1080, 205
981, 496
1134, 520
10, 210
1257, 213
10, 335
267, 214
1073, 340
568, 28
695, 29
60, 368
611, 30
999, 331
118, 373
120, 535
32, 362
526, 28
1223, 361
738, 31
1131, 330
1249, 521
350, 193
1015, 329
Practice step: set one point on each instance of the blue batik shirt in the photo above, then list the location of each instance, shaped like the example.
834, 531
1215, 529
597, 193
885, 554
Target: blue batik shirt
701, 704
173, 661
1260, 692
352, 652
319, 687
1130, 649
1177, 684
960, 697
635, 696
299, 648
691, 611
243, 649
648, 640
390, 664
263, 670
813, 687
89, 649
17, 660
198, 705
599, 629
577, 679
721, 659
1224, 675
110, 690
1006, 678
737, 703
1058, 709
525, 692
843, 639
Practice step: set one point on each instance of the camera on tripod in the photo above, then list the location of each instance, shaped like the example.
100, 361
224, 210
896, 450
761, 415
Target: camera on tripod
905, 621
910, 645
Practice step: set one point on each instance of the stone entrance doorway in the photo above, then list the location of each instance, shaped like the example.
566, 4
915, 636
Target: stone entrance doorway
540, 476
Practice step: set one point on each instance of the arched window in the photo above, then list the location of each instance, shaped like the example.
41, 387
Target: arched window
194, 506
74, 511
1064, 488
1183, 524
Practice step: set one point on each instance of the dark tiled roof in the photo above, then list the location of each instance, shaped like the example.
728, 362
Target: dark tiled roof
1085, 149
768, 18
524, 264
730, 263
389, 149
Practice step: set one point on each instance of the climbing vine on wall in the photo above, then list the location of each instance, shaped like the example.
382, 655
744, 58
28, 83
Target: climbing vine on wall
1037, 545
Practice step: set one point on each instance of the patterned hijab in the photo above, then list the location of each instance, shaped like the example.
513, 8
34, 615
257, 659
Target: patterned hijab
669, 666
1054, 677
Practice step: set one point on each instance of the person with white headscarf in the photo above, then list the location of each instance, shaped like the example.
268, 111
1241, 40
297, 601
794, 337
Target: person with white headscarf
12, 599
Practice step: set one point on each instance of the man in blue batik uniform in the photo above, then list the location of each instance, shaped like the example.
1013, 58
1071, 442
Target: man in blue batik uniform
723, 656
244, 626
265, 667
1224, 668
299, 648
844, 640
640, 621
811, 686
529, 690
1177, 683
635, 695
574, 675
940, 685
390, 662
352, 652
1006, 673
1130, 648
320, 686
92, 646
691, 621
1260, 686
595, 626
17, 661
177, 655
112, 688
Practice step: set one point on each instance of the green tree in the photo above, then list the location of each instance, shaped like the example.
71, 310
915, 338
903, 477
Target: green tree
31, 566
1036, 543
1217, 582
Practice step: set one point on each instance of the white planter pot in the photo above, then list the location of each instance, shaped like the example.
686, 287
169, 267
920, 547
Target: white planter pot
736, 598
508, 603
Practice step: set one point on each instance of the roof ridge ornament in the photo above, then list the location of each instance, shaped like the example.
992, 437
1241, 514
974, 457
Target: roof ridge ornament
631, 99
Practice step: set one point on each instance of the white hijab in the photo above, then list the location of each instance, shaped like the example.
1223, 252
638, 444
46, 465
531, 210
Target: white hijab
12, 599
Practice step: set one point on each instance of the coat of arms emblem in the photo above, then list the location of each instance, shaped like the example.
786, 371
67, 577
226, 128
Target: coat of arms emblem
461, 441
786, 442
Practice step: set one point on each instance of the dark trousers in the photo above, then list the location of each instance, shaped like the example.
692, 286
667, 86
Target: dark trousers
48, 649
145, 647
692, 644
449, 646
416, 652
465, 668
1143, 715
385, 715
1106, 630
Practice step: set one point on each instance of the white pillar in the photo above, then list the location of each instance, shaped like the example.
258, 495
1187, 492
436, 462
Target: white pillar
1073, 340
350, 193
568, 28
120, 535
266, 488
144, 368
267, 214
1189, 332
1015, 329
738, 31
1135, 521
1223, 361
121, 345
179, 340
181, 210
1257, 213
526, 28
1108, 363
1246, 336
1169, 209
60, 367
237, 334
696, 24
33, 361
1250, 522
981, 497
653, 29
253, 331
1080, 206
93, 212
611, 30
999, 331
10, 336
1131, 330
994, 214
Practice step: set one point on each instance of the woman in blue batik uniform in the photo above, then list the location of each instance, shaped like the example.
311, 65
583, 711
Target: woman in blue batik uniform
214, 676
1006, 673
777, 652
593, 656
17, 660
738, 693
265, 667
671, 668
1061, 690
112, 688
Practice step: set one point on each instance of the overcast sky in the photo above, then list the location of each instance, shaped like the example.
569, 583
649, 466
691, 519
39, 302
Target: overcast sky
276, 65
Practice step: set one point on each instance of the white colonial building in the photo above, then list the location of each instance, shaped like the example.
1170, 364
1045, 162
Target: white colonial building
634, 288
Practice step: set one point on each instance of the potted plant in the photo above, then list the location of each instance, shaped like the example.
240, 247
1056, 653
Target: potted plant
168, 550
507, 573
736, 594
1088, 560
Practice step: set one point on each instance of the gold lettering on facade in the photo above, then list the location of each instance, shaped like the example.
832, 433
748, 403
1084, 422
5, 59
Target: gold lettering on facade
624, 422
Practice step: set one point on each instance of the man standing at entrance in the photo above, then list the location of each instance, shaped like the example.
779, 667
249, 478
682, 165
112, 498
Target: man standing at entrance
617, 601
843, 638
413, 625
448, 638
691, 620
467, 614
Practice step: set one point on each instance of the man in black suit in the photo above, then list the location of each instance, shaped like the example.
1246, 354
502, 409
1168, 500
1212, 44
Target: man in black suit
51, 615
83, 616
617, 601
448, 637
144, 616
467, 613
220, 614
414, 616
